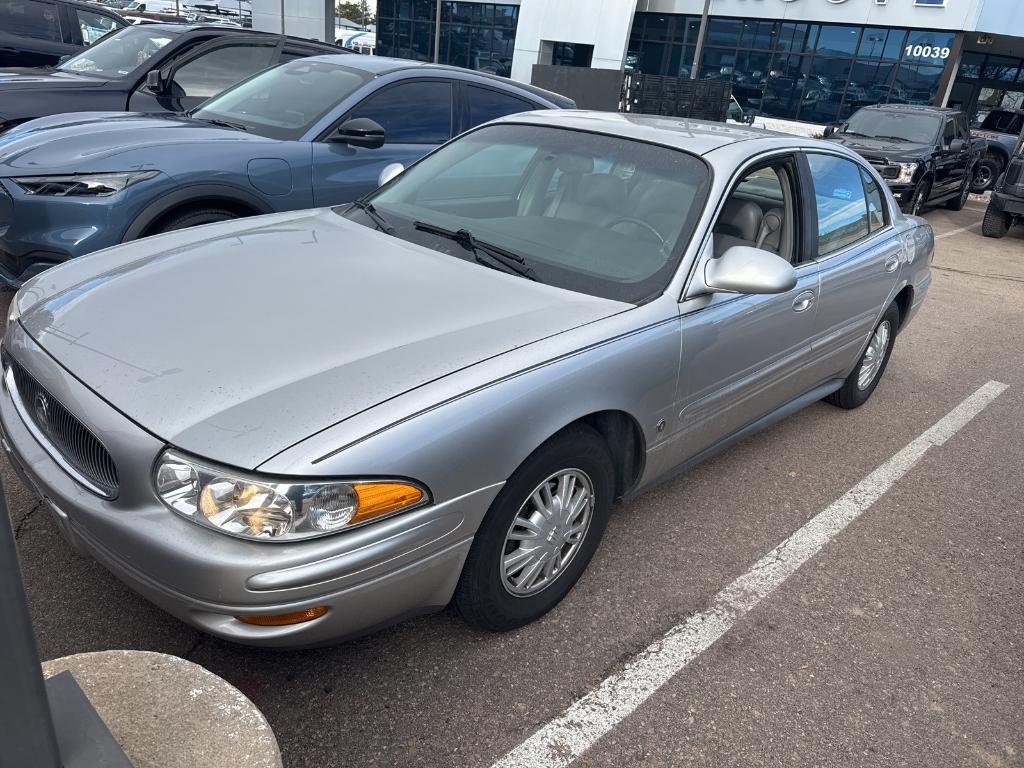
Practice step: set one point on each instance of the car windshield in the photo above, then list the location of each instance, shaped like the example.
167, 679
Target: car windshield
913, 127
284, 103
119, 54
598, 214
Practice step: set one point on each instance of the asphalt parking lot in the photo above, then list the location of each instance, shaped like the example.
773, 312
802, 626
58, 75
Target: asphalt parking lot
900, 643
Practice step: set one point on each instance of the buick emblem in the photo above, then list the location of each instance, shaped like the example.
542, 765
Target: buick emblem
41, 406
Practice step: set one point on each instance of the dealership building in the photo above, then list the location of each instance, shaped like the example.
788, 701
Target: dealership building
809, 60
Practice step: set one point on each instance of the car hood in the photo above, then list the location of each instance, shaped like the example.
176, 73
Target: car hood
235, 341
25, 77
83, 142
882, 148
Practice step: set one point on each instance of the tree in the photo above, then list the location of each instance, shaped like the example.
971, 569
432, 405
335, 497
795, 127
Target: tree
359, 12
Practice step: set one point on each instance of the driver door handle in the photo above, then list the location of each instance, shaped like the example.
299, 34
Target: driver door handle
803, 301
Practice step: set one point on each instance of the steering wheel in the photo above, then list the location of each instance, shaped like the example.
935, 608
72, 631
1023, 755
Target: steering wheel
639, 223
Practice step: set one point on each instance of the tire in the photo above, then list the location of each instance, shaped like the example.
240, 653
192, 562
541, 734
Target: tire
915, 205
957, 203
996, 223
193, 218
985, 174
484, 593
854, 393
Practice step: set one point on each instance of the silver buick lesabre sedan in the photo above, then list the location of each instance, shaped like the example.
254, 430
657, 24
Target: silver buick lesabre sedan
293, 429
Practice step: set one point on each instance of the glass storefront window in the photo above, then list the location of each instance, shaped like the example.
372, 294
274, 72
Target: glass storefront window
724, 31
838, 40
915, 84
970, 66
881, 43
759, 35
823, 90
792, 37
718, 64
928, 47
1001, 68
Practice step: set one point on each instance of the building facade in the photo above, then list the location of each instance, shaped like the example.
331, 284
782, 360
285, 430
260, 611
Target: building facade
816, 61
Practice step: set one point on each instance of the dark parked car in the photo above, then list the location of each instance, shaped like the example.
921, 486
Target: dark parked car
1006, 207
147, 68
312, 132
999, 130
38, 33
925, 154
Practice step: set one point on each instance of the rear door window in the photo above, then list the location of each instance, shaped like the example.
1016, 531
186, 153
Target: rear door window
413, 112
876, 209
220, 68
487, 104
30, 18
841, 205
93, 25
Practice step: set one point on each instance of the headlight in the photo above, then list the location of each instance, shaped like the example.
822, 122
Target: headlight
84, 185
261, 508
906, 173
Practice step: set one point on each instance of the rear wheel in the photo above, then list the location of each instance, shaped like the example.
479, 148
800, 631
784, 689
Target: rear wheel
985, 174
193, 218
539, 534
996, 223
865, 376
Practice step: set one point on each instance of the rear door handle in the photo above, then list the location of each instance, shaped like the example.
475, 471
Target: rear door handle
803, 301
892, 263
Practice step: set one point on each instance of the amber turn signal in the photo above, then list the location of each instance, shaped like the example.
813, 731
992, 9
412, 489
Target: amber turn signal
376, 499
284, 619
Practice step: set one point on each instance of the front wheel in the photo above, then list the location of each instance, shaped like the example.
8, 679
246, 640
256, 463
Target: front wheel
193, 218
917, 200
865, 376
539, 534
996, 223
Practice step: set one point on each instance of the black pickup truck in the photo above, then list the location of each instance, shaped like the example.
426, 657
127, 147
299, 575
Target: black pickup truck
925, 154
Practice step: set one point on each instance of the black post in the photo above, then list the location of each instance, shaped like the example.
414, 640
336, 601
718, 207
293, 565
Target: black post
24, 710
46, 724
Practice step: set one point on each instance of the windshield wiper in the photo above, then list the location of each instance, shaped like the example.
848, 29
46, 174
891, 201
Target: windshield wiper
896, 138
221, 123
855, 133
509, 261
375, 216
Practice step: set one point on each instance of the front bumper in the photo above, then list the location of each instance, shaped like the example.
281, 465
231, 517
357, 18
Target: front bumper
38, 232
367, 578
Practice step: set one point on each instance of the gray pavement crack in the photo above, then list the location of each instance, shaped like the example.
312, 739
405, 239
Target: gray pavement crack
24, 519
979, 274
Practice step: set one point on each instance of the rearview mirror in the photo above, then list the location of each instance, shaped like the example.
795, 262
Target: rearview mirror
390, 171
360, 132
155, 81
742, 269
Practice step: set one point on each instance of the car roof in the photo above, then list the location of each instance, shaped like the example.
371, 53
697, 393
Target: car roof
383, 65
182, 29
695, 136
912, 108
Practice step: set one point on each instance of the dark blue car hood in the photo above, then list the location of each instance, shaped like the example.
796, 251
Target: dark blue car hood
86, 141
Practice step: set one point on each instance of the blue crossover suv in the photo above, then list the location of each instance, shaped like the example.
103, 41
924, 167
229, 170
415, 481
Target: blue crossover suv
313, 132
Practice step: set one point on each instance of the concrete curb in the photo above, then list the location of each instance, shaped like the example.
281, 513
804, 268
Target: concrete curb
167, 712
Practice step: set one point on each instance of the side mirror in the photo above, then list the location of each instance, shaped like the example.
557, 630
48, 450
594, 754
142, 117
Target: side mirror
742, 269
831, 128
155, 82
390, 171
748, 117
64, 58
957, 145
359, 132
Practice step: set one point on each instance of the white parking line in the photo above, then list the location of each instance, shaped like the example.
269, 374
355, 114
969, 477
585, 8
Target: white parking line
957, 231
572, 733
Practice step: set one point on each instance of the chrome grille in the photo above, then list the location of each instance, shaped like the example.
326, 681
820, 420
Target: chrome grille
79, 448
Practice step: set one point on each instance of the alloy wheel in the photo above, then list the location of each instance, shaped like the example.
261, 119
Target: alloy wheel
871, 363
547, 532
